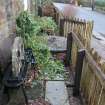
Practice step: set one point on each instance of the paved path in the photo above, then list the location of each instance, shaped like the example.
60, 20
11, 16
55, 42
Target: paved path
56, 93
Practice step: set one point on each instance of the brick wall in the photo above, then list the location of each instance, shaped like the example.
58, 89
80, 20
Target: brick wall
9, 9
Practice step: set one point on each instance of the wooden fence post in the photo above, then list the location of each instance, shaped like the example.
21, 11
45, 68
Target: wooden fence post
55, 15
61, 33
57, 18
78, 72
69, 49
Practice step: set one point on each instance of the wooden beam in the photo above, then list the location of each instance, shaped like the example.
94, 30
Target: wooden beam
61, 33
69, 49
78, 72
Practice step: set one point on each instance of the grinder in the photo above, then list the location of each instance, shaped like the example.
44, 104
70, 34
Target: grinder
11, 53
17, 56
14, 61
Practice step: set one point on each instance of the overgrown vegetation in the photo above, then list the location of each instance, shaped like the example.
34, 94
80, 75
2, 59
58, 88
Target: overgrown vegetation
46, 2
27, 25
50, 69
29, 29
100, 4
48, 23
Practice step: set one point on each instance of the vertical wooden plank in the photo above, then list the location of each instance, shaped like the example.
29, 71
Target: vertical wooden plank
69, 48
61, 33
78, 72
55, 13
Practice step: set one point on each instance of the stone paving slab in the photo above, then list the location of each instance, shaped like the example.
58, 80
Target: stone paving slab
56, 93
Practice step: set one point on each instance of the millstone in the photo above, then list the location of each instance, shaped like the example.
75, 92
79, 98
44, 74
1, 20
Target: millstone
17, 55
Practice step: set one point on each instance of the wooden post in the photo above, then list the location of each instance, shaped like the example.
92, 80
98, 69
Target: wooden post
57, 18
69, 49
93, 5
78, 72
39, 11
61, 33
55, 15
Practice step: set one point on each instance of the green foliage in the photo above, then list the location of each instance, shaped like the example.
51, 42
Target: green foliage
100, 3
50, 69
48, 23
29, 29
53, 70
26, 25
46, 2
85, 3
40, 49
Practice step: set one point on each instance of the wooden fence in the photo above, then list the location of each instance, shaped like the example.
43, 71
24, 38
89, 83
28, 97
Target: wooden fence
99, 60
82, 28
89, 78
89, 73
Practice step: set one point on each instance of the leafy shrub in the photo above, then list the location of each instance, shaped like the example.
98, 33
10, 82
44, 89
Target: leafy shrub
47, 23
100, 3
28, 28
50, 69
46, 2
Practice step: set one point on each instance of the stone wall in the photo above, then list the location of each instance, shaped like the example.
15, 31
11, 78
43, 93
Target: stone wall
9, 9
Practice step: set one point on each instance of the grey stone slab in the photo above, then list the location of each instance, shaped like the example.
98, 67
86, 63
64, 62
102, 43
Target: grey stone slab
56, 93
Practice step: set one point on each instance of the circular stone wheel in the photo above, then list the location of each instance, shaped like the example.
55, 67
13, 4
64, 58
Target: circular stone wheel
17, 55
